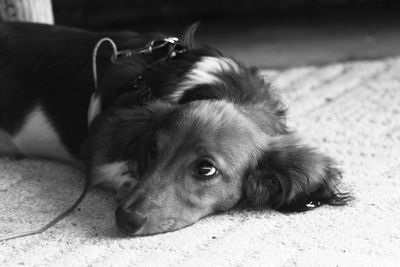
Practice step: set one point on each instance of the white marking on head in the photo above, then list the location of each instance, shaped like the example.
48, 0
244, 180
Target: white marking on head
38, 137
204, 72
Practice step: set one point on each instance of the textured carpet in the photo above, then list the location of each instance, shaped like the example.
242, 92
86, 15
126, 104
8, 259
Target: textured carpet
351, 111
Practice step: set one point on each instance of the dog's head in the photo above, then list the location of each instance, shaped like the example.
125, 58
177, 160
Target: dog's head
217, 137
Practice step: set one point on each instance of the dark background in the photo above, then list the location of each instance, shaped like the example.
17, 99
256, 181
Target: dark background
100, 14
268, 33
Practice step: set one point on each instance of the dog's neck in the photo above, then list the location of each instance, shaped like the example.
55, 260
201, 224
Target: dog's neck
115, 89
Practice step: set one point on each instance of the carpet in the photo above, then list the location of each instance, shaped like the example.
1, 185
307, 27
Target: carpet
349, 110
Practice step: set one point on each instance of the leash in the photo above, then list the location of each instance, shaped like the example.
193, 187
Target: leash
52, 222
171, 44
174, 48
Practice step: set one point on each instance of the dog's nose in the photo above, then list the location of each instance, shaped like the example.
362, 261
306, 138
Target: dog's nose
129, 222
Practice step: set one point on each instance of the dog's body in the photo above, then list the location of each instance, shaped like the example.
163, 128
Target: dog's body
212, 133
46, 76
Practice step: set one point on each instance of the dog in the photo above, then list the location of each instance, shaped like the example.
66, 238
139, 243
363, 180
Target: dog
178, 130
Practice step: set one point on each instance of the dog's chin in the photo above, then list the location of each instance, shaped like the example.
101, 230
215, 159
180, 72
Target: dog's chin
167, 226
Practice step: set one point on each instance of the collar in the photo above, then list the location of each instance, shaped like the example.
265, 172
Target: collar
163, 49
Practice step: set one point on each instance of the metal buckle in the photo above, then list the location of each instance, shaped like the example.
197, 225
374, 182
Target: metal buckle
157, 44
176, 48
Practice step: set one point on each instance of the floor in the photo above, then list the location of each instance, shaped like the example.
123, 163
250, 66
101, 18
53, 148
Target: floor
346, 110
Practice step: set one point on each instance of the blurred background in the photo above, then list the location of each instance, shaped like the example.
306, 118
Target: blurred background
265, 33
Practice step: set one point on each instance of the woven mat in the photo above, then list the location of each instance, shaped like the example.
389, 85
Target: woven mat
350, 111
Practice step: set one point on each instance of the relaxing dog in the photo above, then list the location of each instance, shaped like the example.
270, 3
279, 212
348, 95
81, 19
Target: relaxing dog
179, 131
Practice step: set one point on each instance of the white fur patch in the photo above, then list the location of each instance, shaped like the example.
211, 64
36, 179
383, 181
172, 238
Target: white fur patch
112, 174
38, 138
94, 108
110, 171
204, 72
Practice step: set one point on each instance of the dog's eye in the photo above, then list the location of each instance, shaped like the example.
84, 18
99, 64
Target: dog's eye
206, 169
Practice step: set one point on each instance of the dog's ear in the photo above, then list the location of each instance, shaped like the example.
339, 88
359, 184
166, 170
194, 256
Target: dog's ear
135, 132
188, 36
291, 176
127, 134
138, 121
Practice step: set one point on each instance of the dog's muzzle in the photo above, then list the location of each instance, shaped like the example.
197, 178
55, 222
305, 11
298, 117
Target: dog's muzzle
129, 222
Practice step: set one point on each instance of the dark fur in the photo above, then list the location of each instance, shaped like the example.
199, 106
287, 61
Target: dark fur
43, 59
290, 167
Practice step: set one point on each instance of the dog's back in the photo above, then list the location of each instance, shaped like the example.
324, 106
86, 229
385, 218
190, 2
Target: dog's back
46, 82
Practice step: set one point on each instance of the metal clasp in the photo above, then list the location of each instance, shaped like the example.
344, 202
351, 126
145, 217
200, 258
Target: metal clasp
176, 48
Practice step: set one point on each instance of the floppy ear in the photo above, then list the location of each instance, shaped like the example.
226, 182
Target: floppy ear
291, 176
137, 121
134, 131
126, 134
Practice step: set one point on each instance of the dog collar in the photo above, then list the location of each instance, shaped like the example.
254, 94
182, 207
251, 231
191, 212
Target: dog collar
168, 48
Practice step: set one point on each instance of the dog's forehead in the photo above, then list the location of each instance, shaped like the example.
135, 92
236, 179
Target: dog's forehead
216, 126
